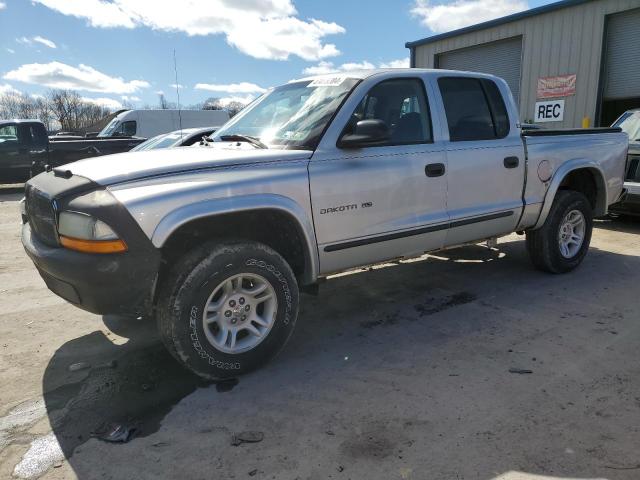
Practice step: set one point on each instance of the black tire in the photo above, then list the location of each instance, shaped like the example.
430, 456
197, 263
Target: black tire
543, 244
184, 295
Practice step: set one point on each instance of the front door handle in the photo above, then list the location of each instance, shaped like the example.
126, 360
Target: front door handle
511, 162
434, 170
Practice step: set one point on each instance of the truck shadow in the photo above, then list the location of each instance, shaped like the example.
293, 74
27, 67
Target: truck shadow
370, 341
627, 224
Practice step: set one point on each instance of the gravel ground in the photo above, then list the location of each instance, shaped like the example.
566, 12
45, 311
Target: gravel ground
396, 372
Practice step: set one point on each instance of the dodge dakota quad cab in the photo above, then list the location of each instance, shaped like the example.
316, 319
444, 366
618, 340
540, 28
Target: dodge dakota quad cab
318, 176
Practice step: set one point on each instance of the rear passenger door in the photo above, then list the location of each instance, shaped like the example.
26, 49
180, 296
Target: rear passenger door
485, 159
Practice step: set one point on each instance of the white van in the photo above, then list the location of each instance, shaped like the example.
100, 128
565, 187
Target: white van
149, 123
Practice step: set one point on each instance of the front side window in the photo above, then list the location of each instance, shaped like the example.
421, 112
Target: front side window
8, 134
402, 105
291, 116
127, 129
474, 109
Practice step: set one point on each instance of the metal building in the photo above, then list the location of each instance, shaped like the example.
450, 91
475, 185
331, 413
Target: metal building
574, 63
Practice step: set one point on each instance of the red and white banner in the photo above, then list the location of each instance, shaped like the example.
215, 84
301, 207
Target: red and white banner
560, 86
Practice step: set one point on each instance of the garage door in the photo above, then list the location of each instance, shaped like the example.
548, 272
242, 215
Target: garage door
622, 58
501, 58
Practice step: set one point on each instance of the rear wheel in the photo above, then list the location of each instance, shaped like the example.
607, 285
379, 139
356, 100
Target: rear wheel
562, 242
227, 309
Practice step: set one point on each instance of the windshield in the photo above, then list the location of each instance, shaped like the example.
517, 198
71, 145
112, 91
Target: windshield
165, 140
291, 116
108, 130
629, 122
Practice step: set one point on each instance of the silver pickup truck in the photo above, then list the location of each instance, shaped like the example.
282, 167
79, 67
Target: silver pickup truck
318, 176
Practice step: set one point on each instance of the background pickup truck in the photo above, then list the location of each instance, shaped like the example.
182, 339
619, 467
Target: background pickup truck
25, 149
629, 204
318, 176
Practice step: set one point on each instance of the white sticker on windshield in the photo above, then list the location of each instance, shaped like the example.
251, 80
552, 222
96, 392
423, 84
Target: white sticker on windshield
327, 82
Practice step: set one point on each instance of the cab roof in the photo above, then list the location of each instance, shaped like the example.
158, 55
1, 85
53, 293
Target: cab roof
363, 74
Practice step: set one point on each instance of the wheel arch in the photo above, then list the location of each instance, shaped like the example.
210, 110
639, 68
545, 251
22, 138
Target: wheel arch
259, 213
582, 175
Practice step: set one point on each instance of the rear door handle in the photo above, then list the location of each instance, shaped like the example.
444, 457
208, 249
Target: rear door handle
511, 162
434, 170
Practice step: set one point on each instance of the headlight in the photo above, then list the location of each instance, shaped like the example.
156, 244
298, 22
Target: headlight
82, 232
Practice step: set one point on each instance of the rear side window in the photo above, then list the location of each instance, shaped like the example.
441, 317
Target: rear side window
474, 109
38, 134
498, 108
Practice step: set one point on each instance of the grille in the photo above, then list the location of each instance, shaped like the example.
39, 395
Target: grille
41, 215
633, 170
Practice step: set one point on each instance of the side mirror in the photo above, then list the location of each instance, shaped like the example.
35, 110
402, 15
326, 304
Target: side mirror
366, 133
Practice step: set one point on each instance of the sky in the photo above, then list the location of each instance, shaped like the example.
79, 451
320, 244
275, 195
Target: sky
118, 52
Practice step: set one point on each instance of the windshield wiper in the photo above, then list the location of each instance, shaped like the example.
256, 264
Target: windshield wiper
243, 138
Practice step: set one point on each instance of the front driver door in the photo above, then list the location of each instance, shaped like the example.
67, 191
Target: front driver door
377, 203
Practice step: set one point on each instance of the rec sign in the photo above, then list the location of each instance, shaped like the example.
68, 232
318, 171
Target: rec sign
551, 111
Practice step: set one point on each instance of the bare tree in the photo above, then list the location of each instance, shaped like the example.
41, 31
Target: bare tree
64, 109
164, 104
212, 103
72, 112
234, 108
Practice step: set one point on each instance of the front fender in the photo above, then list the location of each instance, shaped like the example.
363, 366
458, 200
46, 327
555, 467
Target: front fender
561, 173
213, 207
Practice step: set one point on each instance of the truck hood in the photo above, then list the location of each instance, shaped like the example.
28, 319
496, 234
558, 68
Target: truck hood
123, 167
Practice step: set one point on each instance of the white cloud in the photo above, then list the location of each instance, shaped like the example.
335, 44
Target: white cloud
461, 13
82, 77
400, 63
329, 67
176, 85
225, 101
268, 29
44, 41
11, 50
128, 98
3, 5
6, 88
242, 87
104, 102
37, 39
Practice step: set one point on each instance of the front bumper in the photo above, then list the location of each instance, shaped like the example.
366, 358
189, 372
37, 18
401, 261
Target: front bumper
120, 283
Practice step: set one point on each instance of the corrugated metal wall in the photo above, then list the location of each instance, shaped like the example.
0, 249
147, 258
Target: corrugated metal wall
565, 41
496, 58
622, 72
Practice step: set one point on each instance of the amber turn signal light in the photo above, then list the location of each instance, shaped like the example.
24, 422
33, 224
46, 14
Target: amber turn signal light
93, 246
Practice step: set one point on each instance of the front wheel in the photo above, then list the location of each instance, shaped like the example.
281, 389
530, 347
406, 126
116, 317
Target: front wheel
562, 242
227, 309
